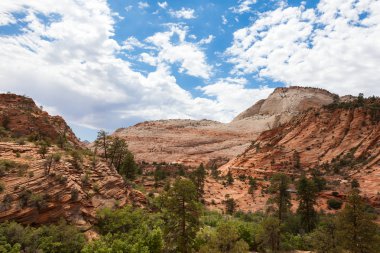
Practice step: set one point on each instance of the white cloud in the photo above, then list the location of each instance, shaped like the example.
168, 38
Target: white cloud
244, 6
185, 13
233, 97
71, 66
163, 5
192, 59
131, 43
142, 5
224, 20
6, 19
335, 46
128, 8
207, 40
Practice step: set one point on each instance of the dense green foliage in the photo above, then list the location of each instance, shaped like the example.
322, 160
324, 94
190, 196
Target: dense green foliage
53, 238
180, 224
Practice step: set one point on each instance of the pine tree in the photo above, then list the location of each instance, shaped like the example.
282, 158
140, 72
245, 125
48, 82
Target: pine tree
280, 195
181, 215
307, 196
103, 142
356, 229
198, 177
230, 179
281, 199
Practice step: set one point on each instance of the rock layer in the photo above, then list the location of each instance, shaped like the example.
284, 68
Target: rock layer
33, 196
191, 142
22, 117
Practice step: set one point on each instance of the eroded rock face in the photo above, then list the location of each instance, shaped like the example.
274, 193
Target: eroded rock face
191, 142
21, 117
184, 141
33, 196
342, 144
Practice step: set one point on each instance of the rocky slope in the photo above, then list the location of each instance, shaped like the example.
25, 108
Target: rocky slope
192, 142
65, 183
31, 195
341, 143
20, 117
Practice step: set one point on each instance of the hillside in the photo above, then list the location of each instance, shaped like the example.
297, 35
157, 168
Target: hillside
340, 141
21, 117
191, 142
40, 181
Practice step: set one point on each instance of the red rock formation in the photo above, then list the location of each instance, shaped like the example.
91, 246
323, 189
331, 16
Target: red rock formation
65, 192
191, 142
342, 144
21, 116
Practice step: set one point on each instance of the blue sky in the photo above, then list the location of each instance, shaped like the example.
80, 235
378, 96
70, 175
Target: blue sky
109, 64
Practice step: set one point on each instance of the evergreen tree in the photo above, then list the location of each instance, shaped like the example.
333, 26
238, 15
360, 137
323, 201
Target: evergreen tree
230, 205
355, 183
269, 235
297, 160
214, 171
356, 229
198, 177
103, 142
181, 215
230, 179
307, 196
252, 185
281, 199
128, 167
324, 238
280, 195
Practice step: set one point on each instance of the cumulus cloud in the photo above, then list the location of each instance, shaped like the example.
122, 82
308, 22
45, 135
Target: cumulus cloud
224, 20
128, 8
334, 46
232, 95
184, 13
142, 5
191, 58
207, 40
67, 60
244, 6
163, 5
131, 43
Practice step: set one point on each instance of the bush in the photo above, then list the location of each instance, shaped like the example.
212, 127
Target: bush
58, 237
74, 194
7, 201
335, 204
24, 197
2, 187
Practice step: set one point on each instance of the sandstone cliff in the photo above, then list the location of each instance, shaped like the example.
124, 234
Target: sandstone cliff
20, 117
191, 142
340, 143
31, 195
41, 187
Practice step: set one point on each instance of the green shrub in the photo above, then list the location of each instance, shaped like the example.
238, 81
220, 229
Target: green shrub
74, 194
335, 204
